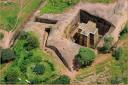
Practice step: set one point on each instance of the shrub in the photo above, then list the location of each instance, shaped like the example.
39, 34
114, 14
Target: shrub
32, 42
62, 80
107, 44
51, 65
35, 81
23, 65
23, 68
36, 59
23, 35
125, 30
117, 53
106, 48
108, 39
7, 55
39, 69
1, 35
12, 75
116, 81
85, 57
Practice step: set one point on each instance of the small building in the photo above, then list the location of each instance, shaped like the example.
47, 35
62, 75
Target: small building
87, 34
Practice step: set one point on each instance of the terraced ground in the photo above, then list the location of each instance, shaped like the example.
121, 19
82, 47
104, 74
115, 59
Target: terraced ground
14, 13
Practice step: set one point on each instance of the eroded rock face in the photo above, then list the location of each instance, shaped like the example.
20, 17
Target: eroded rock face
109, 18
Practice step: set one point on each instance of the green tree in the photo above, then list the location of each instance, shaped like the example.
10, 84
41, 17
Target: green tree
62, 80
32, 42
85, 57
23, 35
39, 69
106, 47
7, 55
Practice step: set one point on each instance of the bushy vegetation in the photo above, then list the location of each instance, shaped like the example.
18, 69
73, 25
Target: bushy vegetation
36, 80
117, 53
119, 69
32, 42
99, 1
62, 80
33, 66
7, 55
57, 6
107, 44
123, 34
39, 69
12, 75
85, 57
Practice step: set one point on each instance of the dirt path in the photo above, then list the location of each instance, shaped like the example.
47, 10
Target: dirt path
72, 74
101, 58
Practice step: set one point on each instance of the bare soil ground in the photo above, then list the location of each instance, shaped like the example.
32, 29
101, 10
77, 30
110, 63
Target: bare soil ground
6, 40
102, 58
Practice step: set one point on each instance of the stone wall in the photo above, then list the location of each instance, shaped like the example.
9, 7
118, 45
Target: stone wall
72, 26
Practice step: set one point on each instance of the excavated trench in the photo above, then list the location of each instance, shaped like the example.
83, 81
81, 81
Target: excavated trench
48, 30
102, 25
82, 17
47, 21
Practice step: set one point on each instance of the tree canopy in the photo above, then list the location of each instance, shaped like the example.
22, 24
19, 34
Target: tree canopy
86, 56
7, 55
62, 80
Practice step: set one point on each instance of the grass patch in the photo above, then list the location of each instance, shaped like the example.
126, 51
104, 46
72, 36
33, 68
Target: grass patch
99, 1
119, 68
57, 6
8, 15
1, 66
124, 33
13, 16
